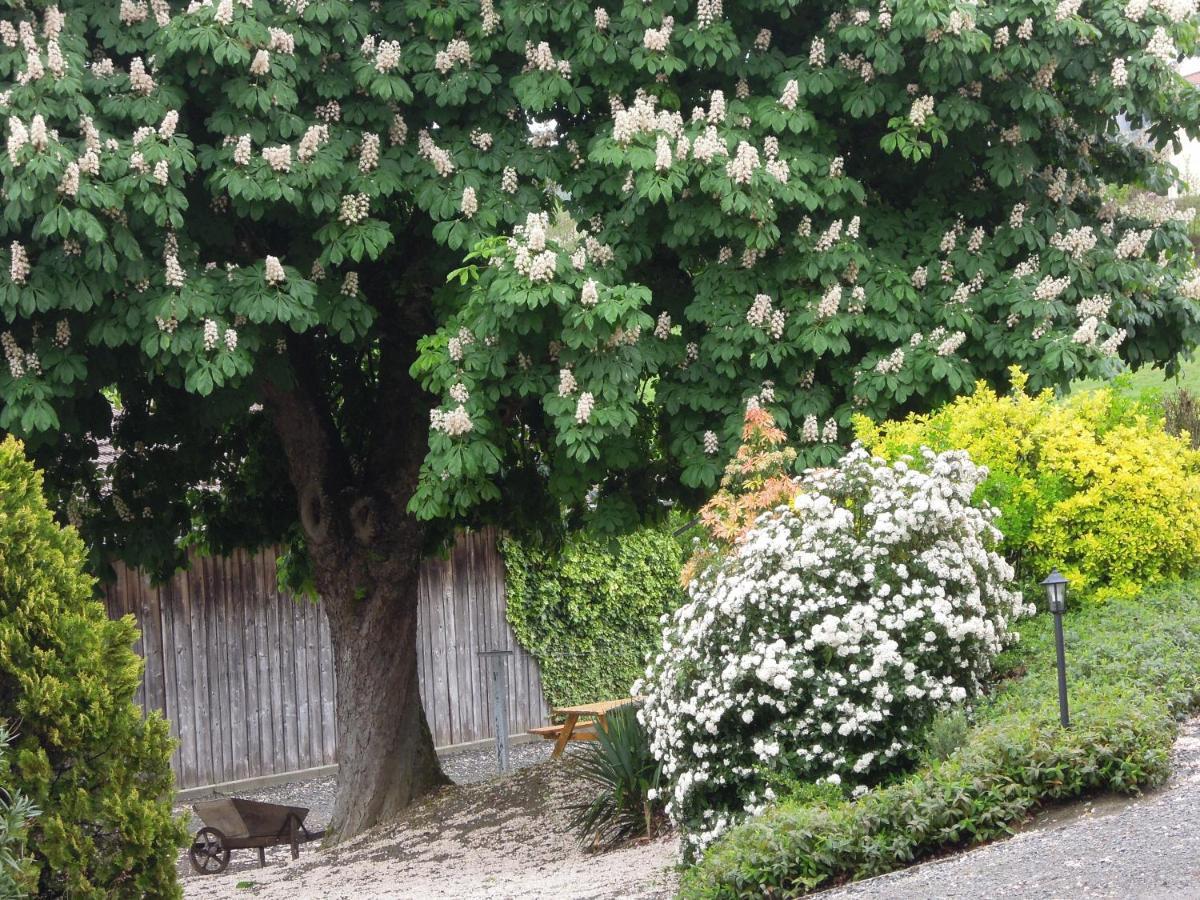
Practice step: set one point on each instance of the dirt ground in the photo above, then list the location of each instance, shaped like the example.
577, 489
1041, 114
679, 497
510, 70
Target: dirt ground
502, 838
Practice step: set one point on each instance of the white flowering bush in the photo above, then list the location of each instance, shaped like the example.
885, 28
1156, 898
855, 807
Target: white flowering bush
828, 637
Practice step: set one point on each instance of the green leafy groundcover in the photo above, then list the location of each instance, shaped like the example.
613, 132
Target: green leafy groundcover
589, 610
1134, 668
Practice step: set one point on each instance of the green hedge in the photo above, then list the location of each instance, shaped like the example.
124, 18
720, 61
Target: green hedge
1134, 668
589, 610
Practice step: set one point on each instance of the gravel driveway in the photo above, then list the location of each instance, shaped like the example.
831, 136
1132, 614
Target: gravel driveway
1147, 847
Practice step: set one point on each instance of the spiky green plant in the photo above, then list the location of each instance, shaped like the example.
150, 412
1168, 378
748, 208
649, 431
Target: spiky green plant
630, 803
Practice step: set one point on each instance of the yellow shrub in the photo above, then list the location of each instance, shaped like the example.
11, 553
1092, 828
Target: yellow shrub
1091, 484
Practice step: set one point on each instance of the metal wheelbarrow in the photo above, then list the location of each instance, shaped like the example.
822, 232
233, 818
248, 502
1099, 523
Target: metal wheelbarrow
233, 823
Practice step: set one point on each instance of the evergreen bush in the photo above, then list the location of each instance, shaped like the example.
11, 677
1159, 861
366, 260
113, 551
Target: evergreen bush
1092, 484
83, 753
589, 610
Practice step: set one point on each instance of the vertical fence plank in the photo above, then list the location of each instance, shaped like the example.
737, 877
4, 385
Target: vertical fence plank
246, 675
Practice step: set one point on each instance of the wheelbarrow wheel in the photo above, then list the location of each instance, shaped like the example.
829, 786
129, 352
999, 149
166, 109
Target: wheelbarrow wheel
209, 854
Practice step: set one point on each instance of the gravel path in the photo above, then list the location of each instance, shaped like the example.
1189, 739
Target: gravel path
1147, 847
485, 837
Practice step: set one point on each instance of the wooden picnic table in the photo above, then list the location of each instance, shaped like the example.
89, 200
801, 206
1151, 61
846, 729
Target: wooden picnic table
572, 714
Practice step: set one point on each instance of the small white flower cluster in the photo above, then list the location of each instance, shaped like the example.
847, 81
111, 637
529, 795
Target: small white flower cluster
707, 12
540, 58
829, 636
1190, 288
1120, 75
139, 79
712, 444
454, 423
18, 263
950, 344
278, 158
1016, 218
397, 131
481, 139
440, 158
662, 326
566, 383
584, 407
314, 136
1133, 244
816, 53
368, 154
920, 277
762, 41
273, 271
921, 110
830, 303
242, 150
328, 112
892, 363
657, 40
762, 314
211, 335
261, 64
1000, 38
829, 237
1025, 30
62, 334
491, 19
349, 286
282, 41
1162, 47
975, 240
531, 257
1076, 243
1028, 267
457, 52
354, 208
469, 205
601, 18
19, 362
791, 94
1050, 288
1066, 9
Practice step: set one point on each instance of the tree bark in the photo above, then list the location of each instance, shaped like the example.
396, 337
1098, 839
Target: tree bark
365, 552
385, 749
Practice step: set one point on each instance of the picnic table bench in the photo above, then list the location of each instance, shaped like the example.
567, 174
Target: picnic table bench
572, 729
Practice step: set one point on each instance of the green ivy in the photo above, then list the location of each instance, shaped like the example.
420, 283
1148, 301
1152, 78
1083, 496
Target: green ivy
589, 611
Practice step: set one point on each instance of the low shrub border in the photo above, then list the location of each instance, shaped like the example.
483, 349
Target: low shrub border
1134, 669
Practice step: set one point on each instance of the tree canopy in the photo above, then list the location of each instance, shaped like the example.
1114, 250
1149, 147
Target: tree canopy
821, 207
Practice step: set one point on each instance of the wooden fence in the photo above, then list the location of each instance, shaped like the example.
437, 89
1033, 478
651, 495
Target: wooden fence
245, 674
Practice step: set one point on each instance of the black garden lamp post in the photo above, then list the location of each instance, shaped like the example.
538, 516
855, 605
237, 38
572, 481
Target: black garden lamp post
1056, 593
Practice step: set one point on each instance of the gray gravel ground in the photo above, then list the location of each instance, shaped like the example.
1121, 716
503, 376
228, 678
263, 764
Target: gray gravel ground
463, 767
1147, 847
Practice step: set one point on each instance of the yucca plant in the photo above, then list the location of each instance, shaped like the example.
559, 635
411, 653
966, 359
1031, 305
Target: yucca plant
1182, 413
16, 811
630, 803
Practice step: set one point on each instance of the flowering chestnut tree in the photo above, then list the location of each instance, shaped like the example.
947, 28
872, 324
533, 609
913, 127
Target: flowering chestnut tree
828, 636
227, 229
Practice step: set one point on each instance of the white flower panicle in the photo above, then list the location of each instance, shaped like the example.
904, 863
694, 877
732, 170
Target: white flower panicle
1162, 47
139, 79
566, 383
810, 430
278, 158
273, 271
589, 296
387, 56
508, 180
469, 204
1133, 244
18, 263
791, 94
816, 53
354, 208
368, 155
656, 40
426, 148
921, 110
1120, 76
242, 150
457, 52
261, 64
830, 302
584, 407
662, 326
707, 12
744, 163
312, 140
212, 335
712, 444
762, 41
601, 18
891, 364
231, 339
349, 286
454, 423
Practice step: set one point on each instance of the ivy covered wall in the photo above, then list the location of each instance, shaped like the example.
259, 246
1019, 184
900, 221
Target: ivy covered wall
589, 610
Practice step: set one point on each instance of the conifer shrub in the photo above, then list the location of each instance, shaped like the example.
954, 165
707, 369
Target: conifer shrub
83, 752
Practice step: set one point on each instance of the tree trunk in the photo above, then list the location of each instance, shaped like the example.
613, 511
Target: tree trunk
365, 552
385, 750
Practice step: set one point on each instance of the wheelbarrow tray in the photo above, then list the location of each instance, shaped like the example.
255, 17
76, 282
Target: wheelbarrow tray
245, 823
